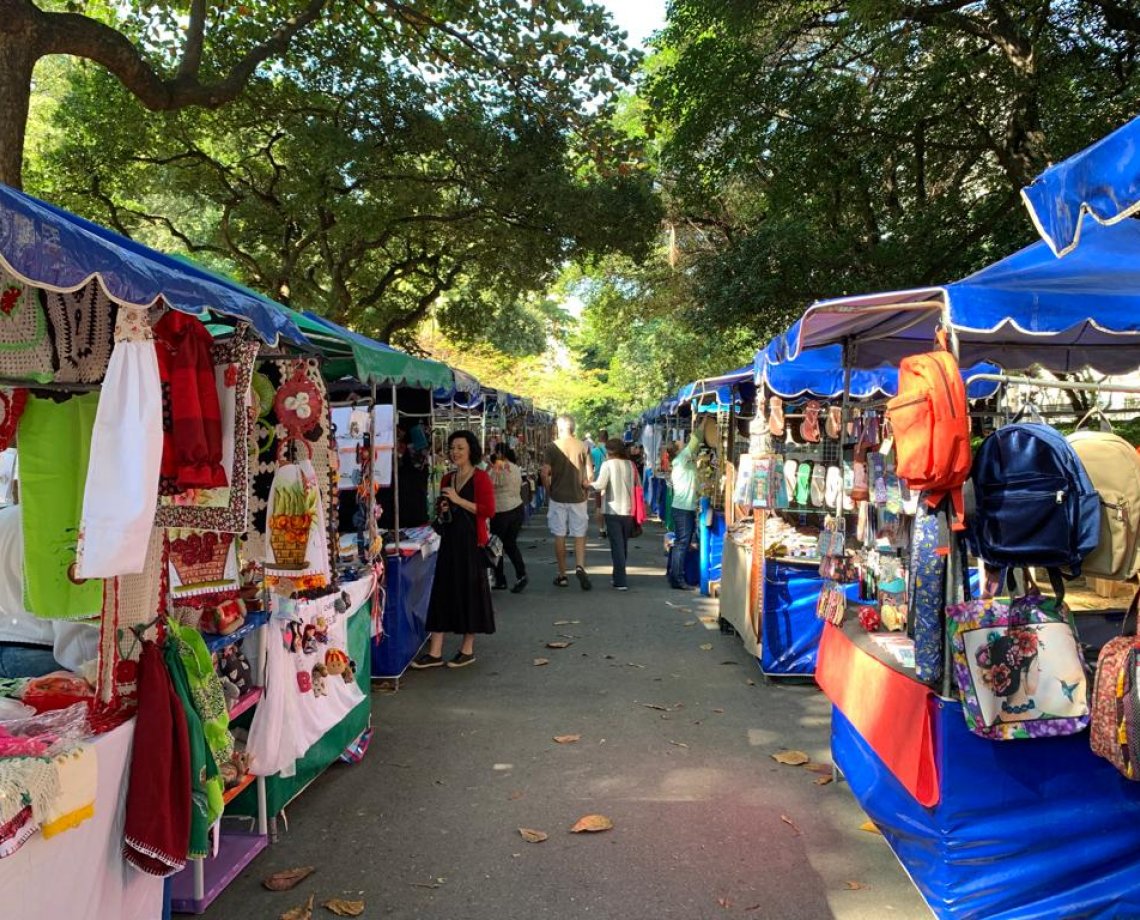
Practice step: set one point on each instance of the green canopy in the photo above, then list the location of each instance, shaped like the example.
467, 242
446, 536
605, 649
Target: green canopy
349, 354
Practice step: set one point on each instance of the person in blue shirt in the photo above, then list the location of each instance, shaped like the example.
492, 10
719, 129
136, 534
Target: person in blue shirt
597, 458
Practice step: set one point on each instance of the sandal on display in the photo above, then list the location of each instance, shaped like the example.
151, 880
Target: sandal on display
790, 470
832, 426
803, 483
809, 430
776, 416
859, 490
832, 487
817, 479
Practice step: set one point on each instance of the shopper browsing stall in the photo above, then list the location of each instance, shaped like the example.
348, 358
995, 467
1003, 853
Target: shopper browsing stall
683, 473
508, 520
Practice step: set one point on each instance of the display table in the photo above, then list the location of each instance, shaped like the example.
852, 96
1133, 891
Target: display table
281, 790
736, 573
790, 631
710, 538
408, 586
1017, 829
80, 874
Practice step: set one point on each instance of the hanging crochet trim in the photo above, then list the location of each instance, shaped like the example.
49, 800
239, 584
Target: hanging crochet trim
82, 324
25, 347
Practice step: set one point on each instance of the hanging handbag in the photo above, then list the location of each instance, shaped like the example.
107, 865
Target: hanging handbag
493, 551
1113, 731
1018, 666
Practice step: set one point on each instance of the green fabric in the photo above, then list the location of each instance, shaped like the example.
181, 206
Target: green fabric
54, 442
205, 691
205, 784
371, 362
668, 507
280, 791
686, 488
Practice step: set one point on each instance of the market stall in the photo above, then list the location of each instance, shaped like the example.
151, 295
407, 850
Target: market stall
991, 695
129, 415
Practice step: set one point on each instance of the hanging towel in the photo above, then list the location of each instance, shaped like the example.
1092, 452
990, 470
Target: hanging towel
54, 444
157, 823
205, 690
78, 779
192, 448
205, 782
121, 495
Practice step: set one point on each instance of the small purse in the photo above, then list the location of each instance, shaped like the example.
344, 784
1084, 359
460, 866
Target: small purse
493, 551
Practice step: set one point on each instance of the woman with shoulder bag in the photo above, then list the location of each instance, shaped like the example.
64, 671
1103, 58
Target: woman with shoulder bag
460, 595
615, 483
509, 515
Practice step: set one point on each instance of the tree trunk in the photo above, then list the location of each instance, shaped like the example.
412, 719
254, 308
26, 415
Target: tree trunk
17, 61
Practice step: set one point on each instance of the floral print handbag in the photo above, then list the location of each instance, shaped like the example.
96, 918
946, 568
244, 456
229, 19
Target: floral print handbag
1018, 667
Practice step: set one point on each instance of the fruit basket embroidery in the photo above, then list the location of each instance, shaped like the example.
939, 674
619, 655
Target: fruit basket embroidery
291, 521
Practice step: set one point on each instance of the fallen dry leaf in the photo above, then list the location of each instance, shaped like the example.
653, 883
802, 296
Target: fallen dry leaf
567, 622
343, 908
751, 682
792, 824
302, 912
539, 662
567, 636
791, 758
287, 878
679, 743
730, 662
656, 706
721, 711
689, 623
592, 824
869, 827
516, 795
567, 739
530, 835
726, 903
855, 886
824, 780
706, 647
630, 664
559, 644
823, 769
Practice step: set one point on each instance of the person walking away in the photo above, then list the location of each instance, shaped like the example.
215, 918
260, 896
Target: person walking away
598, 453
460, 594
566, 475
506, 476
683, 475
614, 485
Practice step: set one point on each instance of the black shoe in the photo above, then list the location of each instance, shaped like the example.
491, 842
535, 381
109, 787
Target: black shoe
427, 660
499, 586
602, 534
519, 585
561, 581
583, 578
680, 587
461, 660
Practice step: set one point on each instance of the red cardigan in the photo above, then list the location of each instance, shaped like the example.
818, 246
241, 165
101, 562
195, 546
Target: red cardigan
484, 503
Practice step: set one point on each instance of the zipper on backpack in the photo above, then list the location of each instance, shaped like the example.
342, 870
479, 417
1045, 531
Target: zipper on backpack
946, 384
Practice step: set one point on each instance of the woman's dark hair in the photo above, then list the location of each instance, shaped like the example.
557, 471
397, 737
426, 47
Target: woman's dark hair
507, 454
615, 447
474, 451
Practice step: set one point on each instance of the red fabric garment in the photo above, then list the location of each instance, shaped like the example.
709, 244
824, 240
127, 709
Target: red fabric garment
890, 711
156, 831
484, 503
192, 414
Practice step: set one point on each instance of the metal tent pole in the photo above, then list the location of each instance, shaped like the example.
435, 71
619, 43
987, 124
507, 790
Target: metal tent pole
371, 503
395, 468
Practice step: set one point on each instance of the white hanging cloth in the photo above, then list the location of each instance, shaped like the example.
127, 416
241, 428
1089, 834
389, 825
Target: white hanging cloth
121, 493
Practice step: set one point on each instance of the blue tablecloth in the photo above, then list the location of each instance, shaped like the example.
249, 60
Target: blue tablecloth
1024, 829
789, 628
408, 590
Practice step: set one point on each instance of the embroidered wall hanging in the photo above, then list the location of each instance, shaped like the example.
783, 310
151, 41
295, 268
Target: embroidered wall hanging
25, 346
225, 508
82, 327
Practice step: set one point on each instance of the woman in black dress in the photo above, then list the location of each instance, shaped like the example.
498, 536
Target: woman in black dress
460, 593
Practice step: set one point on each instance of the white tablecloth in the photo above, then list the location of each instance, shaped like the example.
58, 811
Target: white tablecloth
80, 874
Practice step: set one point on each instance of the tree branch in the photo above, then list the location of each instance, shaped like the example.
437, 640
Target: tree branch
82, 36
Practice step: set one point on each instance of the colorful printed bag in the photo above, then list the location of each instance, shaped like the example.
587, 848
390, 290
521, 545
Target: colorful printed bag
1018, 666
1113, 732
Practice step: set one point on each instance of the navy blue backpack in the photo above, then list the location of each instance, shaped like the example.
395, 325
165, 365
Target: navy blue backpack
1035, 505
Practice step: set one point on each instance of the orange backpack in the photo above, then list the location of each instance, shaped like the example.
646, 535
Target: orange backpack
931, 425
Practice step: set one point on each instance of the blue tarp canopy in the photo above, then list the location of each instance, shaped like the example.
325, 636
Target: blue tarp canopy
721, 391
47, 247
818, 373
466, 393
1030, 308
1102, 181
